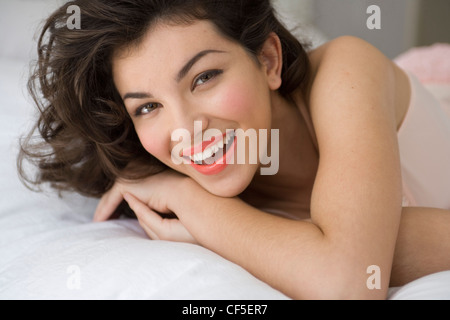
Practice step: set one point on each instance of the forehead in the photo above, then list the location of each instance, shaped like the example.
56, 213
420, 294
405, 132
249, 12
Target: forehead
168, 41
164, 49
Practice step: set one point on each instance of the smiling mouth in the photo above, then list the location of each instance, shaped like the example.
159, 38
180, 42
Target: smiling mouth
214, 152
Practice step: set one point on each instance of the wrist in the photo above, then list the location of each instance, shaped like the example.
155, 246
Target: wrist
187, 191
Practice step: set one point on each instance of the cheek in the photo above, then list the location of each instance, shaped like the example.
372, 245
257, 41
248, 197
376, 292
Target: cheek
241, 102
152, 142
236, 102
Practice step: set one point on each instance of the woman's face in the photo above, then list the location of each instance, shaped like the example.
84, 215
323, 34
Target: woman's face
191, 79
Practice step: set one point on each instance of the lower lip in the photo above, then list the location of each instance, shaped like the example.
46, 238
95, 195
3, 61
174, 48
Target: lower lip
216, 168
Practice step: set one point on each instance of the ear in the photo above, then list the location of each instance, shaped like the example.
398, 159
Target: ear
271, 57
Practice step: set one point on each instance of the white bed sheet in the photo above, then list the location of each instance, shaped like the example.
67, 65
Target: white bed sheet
50, 249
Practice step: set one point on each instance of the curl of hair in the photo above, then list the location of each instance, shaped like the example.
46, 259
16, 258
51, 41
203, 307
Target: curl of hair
86, 138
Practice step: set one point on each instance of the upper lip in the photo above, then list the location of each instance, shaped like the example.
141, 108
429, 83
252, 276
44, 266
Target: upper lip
201, 147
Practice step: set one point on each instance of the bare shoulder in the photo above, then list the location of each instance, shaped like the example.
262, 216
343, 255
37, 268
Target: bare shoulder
343, 50
353, 63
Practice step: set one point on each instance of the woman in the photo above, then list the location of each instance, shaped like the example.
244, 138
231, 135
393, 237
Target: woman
116, 91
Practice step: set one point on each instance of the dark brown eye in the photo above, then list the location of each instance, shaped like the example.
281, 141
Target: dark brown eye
206, 77
147, 109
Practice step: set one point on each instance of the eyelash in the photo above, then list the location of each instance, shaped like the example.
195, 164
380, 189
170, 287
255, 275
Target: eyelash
139, 110
212, 74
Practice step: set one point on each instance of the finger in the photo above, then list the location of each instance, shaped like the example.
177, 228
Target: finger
145, 215
107, 205
150, 233
157, 227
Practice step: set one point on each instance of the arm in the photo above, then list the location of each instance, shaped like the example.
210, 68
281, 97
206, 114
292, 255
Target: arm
357, 194
422, 247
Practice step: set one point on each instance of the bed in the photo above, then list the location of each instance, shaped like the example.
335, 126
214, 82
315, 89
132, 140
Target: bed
50, 249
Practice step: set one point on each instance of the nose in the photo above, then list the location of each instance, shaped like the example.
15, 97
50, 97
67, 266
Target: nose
189, 120
191, 123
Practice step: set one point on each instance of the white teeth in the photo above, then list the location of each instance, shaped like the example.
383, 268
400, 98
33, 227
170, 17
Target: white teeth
230, 137
202, 156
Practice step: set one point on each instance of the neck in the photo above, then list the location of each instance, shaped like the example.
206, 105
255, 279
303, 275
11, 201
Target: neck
298, 158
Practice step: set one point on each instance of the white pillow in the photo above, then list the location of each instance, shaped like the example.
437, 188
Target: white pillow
432, 287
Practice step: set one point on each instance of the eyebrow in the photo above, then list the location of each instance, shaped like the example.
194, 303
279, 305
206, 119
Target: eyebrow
188, 66
183, 72
137, 95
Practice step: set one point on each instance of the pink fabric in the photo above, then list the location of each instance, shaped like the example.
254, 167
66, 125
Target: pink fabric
431, 65
424, 141
424, 137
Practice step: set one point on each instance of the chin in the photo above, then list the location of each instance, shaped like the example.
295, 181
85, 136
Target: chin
225, 192
231, 185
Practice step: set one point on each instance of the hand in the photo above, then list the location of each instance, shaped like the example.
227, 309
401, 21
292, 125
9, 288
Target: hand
157, 227
145, 197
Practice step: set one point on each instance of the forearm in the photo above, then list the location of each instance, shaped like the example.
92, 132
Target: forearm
249, 238
293, 256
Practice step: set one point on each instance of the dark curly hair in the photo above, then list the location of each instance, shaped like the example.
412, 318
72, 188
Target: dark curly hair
86, 138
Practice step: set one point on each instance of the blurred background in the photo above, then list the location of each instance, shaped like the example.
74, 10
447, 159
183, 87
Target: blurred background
404, 23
